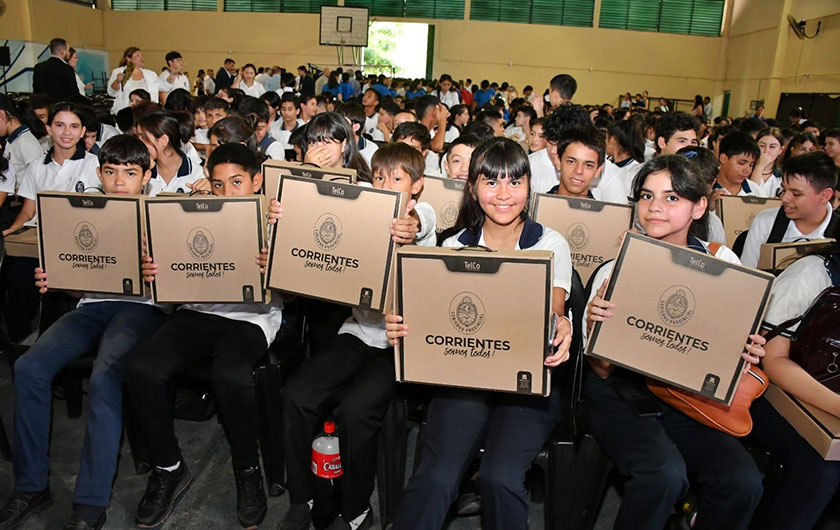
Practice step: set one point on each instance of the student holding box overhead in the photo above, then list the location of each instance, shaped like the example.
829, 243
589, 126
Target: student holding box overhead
234, 336
657, 452
110, 325
512, 428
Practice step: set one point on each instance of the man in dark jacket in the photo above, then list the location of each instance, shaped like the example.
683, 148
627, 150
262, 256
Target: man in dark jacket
54, 76
226, 75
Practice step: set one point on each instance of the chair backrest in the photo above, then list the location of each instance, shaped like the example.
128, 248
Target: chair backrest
568, 372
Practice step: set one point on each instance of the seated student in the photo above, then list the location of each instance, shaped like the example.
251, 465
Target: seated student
322, 105
200, 117
832, 145
272, 103
332, 143
173, 77
111, 325
345, 88
536, 138
459, 116
800, 144
215, 109
494, 119
173, 171
403, 116
355, 114
299, 143
255, 113
247, 83
579, 161
308, 107
483, 96
707, 169
807, 189
456, 161
385, 123
625, 151
433, 115
7, 189
288, 120
234, 336
511, 428
20, 127
767, 173
544, 174
356, 371
520, 130
138, 96
658, 454
808, 482
417, 136
370, 102
738, 153
675, 130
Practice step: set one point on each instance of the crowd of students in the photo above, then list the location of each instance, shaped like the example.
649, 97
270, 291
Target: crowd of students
672, 166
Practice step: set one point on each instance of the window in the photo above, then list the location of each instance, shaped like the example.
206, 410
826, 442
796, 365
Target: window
688, 17
553, 12
452, 9
278, 6
163, 5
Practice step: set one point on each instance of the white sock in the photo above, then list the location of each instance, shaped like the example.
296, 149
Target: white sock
170, 468
357, 522
310, 503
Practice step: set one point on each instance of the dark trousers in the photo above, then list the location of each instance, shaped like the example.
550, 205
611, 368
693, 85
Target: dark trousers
360, 380
22, 299
234, 347
659, 454
807, 483
511, 428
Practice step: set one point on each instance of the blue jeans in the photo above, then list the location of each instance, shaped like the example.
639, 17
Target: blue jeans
112, 329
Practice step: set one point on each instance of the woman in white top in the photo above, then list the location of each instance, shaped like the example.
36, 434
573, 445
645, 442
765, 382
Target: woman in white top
73, 61
246, 81
130, 75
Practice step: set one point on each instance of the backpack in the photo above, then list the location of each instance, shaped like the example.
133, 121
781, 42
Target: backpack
781, 222
815, 345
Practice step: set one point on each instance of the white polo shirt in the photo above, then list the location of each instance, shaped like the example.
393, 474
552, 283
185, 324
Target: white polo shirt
543, 173
369, 326
432, 164
371, 122
7, 180
450, 99
451, 135
616, 181
378, 135
763, 224
180, 81
256, 90
771, 187
794, 291
188, 173
22, 149
106, 132
366, 149
748, 187
715, 227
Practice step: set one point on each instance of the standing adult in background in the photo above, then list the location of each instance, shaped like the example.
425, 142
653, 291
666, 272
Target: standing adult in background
210, 83
321, 81
73, 61
225, 75
306, 85
129, 76
54, 77
172, 78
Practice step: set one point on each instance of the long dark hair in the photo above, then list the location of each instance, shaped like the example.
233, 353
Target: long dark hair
162, 122
22, 111
331, 126
234, 130
629, 137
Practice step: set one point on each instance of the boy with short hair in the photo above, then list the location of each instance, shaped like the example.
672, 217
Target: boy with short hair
234, 336
385, 123
173, 77
308, 107
417, 136
674, 131
807, 189
579, 161
370, 102
737, 155
561, 90
112, 325
544, 175
433, 115
357, 369
832, 145
283, 128
215, 109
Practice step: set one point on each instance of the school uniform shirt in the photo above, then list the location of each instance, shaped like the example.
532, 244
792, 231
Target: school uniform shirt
432, 164
452, 134
748, 187
450, 99
22, 149
192, 153
187, 173
378, 135
278, 131
269, 317
180, 81
771, 187
650, 150
616, 181
763, 224
794, 291
605, 271
371, 123
201, 136
106, 132
272, 148
366, 149
256, 90
369, 326
7, 180
76, 174
149, 83
543, 173
715, 226
515, 133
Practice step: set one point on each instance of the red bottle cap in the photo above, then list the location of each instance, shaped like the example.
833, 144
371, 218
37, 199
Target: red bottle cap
329, 427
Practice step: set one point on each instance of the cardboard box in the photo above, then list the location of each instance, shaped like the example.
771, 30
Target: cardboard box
91, 243
776, 257
205, 248
592, 228
444, 195
737, 212
333, 242
23, 243
272, 169
477, 319
681, 316
818, 427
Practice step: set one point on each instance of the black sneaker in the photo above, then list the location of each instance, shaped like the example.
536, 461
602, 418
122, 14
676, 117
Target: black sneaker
22, 505
251, 504
77, 523
297, 517
341, 524
162, 492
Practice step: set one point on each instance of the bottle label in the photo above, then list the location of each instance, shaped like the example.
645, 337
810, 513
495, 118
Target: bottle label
326, 466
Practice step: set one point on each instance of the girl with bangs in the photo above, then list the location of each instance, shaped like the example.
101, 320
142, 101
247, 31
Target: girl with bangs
767, 172
331, 143
511, 428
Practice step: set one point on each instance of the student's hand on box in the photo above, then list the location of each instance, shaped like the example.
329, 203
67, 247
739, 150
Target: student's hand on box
262, 259
394, 328
275, 212
562, 342
754, 350
404, 230
150, 269
716, 195
599, 309
624, 234
201, 184
41, 280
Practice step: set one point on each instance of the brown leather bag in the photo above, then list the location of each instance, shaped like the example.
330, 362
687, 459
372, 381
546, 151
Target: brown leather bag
734, 419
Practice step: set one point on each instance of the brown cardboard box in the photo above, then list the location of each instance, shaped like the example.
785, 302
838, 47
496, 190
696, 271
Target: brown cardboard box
444, 195
776, 257
818, 427
272, 169
681, 316
333, 241
205, 248
91, 243
592, 228
477, 319
23, 243
737, 212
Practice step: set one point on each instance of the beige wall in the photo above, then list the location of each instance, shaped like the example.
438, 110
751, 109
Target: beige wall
42, 20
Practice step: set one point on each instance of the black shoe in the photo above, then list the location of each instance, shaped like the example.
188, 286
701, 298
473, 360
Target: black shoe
251, 504
80, 524
22, 505
469, 504
162, 492
297, 517
341, 524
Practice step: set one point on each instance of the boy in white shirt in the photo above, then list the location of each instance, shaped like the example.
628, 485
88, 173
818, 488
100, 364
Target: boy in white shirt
738, 153
370, 103
674, 131
544, 173
283, 128
173, 77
